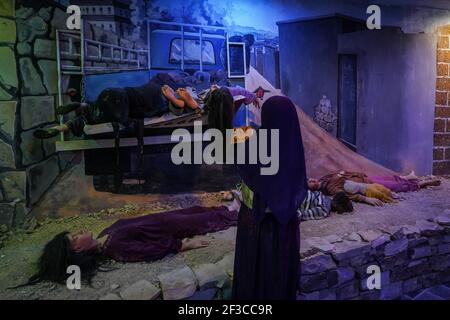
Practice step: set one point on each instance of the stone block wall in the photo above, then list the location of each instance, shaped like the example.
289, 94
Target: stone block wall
28, 95
210, 281
441, 151
410, 258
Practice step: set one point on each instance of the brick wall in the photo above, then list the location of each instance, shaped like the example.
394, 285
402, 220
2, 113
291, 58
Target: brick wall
441, 151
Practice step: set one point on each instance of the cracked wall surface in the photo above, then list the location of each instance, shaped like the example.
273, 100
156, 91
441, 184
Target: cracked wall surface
28, 94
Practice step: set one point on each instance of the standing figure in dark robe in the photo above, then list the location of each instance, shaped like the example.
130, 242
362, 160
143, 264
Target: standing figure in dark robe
268, 238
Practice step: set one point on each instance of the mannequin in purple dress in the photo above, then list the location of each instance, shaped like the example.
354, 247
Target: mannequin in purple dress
146, 238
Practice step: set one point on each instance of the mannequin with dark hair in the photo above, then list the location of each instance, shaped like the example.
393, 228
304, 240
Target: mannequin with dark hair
220, 106
341, 203
140, 239
57, 255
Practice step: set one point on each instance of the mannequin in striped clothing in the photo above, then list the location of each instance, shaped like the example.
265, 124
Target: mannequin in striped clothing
315, 206
318, 206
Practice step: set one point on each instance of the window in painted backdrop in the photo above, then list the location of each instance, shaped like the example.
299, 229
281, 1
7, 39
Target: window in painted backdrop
192, 51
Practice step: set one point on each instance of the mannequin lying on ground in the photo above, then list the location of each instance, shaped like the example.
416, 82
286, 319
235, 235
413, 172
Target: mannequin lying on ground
147, 238
152, 237
315, 206
374, 190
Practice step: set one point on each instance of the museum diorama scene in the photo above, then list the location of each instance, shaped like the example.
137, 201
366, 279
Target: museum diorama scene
224, 150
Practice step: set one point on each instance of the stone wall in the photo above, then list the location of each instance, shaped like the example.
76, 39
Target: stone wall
28, 94
441, 151
204, 282
410, 258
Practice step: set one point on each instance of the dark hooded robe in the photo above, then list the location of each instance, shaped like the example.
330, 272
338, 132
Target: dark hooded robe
268, 238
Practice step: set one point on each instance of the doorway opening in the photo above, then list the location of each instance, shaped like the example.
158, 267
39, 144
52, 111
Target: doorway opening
347, 100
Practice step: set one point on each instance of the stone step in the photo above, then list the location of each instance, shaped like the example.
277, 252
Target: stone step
426, 295
441, 291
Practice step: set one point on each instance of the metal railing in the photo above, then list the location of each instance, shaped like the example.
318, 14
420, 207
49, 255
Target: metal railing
73, 38
125, 54
68, 69
78, 50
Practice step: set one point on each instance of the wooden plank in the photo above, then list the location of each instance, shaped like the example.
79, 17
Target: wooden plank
168, 120
80, 145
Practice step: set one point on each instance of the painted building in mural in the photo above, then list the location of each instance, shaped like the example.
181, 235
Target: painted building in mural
111, 15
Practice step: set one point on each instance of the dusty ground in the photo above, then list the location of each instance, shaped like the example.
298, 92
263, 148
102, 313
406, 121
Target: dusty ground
424, 204
18, 258
81, 207
77, 206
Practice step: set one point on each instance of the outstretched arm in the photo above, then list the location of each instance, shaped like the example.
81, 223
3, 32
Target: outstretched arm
195, 243
250, 97
356, 191
371, 201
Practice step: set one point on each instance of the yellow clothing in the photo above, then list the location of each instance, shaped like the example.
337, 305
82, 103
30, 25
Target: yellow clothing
375, 190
